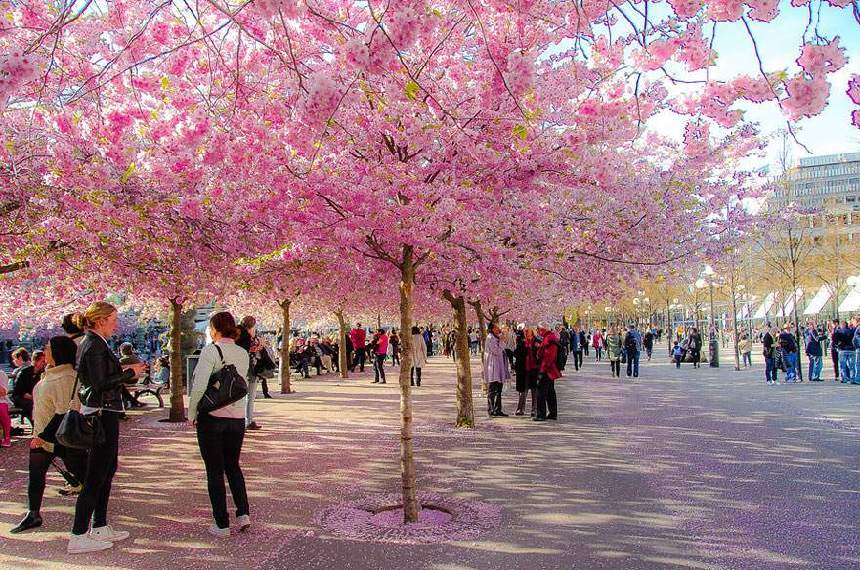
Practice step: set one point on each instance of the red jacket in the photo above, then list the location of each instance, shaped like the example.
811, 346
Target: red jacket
548, 355
358, 338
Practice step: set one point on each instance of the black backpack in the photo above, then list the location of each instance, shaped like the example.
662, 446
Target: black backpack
630, 343
225, 387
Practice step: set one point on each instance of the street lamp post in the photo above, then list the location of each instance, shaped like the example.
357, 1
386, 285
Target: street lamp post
713, 343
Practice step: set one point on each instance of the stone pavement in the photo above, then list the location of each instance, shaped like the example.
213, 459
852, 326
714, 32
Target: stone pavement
707, 468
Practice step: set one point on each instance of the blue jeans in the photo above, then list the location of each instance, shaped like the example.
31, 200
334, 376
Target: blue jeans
857, 366
790, 366
633, 363
747, 359
847, 365
769, 369
815, 365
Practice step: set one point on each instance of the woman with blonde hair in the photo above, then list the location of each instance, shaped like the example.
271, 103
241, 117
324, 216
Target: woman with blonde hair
101, 378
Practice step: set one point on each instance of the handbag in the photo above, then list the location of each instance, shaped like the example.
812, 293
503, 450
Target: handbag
78, 431
265, 366
225, 386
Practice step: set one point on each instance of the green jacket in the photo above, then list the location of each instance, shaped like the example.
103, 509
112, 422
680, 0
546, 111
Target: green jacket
613, 346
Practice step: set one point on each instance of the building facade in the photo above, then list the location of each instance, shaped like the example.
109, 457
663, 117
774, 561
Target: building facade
828, 185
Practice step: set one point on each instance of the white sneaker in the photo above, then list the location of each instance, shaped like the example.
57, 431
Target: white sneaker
81, 543
215, 530
108, 534
244, 522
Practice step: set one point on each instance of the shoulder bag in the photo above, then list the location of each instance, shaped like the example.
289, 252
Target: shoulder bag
78, 431
226, 386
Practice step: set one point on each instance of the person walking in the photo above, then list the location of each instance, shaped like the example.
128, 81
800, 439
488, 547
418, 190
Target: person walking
248, 340
834, 351
745, 349
677, 354
379, 349
813, 353
694, 345
633, 348
526, 367
648, 343
394, 343
100, 376
52, 398
419, 356
769, 353
221, 432
563, 346
789, 347
583, 342
547, 405
576, 348
358, 336
597, 344
496, 370
614, 348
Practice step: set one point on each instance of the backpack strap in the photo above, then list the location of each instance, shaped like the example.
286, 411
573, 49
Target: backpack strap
220, 354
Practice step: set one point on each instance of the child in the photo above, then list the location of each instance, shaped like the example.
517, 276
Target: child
677, 354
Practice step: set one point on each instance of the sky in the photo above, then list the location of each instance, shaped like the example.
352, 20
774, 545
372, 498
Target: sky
779, 45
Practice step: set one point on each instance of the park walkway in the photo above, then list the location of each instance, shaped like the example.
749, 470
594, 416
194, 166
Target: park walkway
681, 469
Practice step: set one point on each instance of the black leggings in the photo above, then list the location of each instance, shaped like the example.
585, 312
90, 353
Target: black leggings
40, 463
415, 372
220, 441
616, 367
101, 467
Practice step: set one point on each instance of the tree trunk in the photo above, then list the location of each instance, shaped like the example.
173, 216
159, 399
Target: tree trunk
465, 407
482, 337
735, 320
670, 333
411, 507
177, 401
342, 362
284, 365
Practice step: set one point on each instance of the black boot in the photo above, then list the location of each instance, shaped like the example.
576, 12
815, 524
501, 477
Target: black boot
30, 520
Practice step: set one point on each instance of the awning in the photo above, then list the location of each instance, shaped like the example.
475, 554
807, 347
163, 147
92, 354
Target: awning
791, 300
765, 306
819, 300
851, 302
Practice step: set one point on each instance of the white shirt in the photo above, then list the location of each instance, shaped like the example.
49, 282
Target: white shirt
209, 363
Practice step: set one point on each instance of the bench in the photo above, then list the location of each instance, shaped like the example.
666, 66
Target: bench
137, 391
15, 411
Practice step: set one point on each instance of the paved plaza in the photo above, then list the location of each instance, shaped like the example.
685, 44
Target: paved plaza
680, 469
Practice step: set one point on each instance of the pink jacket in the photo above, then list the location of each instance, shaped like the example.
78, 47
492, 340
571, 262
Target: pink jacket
382, 345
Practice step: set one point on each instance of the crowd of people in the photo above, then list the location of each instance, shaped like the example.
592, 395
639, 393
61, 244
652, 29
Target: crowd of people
781, 350
83, 378
79, 372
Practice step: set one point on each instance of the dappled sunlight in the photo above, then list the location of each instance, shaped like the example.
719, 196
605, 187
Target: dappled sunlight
663, 472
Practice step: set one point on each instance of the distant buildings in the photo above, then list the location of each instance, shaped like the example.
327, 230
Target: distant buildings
828, 184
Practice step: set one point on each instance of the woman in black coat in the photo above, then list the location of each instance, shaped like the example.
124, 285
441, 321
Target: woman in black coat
101, 378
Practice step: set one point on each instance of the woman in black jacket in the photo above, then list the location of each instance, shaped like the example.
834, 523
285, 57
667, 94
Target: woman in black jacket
101, 378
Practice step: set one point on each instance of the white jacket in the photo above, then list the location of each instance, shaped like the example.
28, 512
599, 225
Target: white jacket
419, 351
51, 396
210, 362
